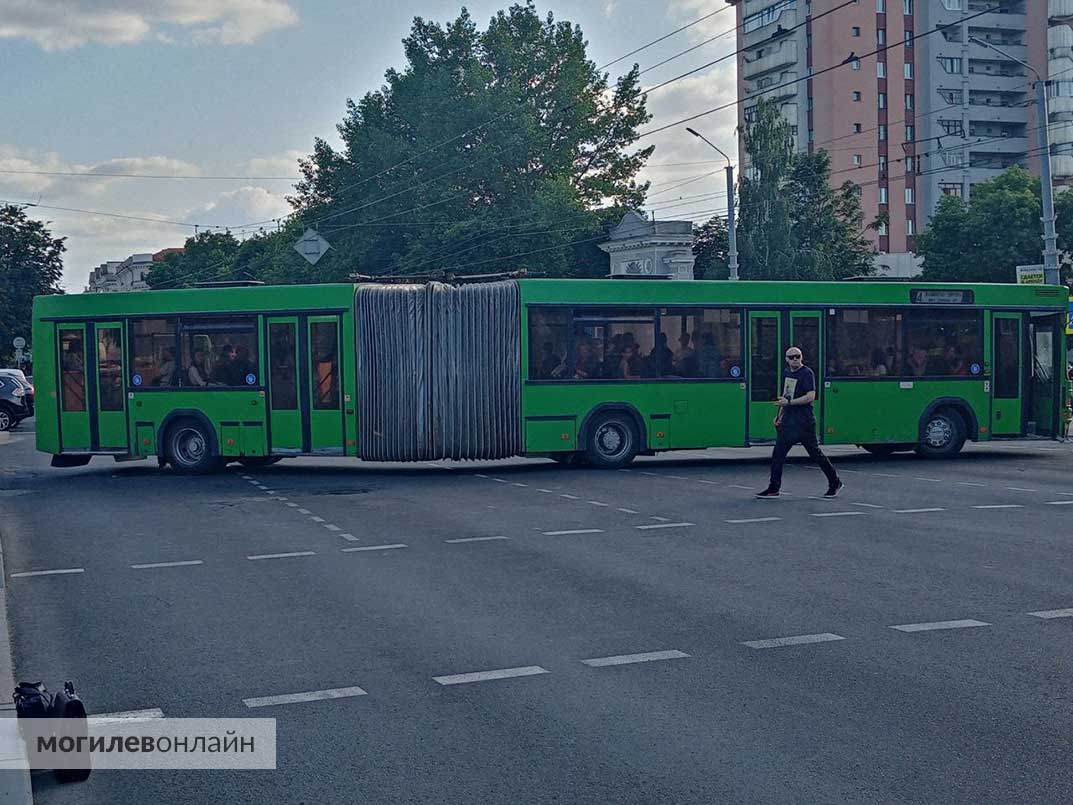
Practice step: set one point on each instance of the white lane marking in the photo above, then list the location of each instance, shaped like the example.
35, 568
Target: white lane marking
246, 477
547, 491
653, 474
663, 525
999, 506
867, 505
304, 511
835, 514
282, 498
855, 472
1047, 614
472, 539
677, 477
316, 519
738, 486
929, 480
280, 555
569, 497
350, 537
310, 696
292, 505
127, 716
187, 563
596, 503
1019, 489
391, 547
631, 511
969, 483
1059, 503
755, 520
660, 519
499, 481
518, 484
627, 659
573, 531
1065, 493
936, 625
484, 676
797, 640
332, 527
885, 475
269, 491
62, 572
258, 485
918, 511
479, 475
711, 483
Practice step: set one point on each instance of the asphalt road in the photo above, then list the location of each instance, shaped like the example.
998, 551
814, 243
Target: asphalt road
467, 568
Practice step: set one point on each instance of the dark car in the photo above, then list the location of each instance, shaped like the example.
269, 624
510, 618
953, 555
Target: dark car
13, 405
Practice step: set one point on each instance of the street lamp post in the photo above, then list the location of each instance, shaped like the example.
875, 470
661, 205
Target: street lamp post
1050, 235
732, 233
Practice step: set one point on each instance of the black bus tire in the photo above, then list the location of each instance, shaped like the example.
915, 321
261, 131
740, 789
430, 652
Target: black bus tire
943, 434
612, 441
189, 448
258, 461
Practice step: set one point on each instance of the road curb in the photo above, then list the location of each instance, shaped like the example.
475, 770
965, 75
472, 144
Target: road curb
15, 784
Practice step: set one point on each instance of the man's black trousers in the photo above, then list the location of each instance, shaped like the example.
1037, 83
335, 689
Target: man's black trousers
803, 434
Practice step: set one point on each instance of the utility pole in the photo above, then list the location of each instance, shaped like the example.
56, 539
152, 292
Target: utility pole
1051, 275
732, 234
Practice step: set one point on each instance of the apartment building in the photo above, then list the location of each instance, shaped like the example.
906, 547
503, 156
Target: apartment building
126, 275
928, 115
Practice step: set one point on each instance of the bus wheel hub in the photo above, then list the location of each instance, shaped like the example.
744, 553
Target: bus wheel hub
610, 440
938, 432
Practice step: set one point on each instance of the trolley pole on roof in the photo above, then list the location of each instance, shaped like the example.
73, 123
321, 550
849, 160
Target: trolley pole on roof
732, 234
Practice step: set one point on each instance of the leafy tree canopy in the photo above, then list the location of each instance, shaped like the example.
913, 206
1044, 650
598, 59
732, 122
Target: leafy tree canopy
31, 263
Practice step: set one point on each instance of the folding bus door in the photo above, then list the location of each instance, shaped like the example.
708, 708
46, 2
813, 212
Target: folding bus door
1007, 373
109, 423
765, 373
325, 399
805, 335
73, 393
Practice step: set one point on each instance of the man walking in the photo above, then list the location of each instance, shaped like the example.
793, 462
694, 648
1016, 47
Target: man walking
796, 424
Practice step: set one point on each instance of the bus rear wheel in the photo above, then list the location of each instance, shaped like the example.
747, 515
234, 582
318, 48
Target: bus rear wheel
189, 448
612, 441
943, 434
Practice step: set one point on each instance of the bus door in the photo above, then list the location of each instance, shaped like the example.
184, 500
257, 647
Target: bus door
805, 334
109, 415
1047, 362
765, 373
73, 401
285, 417
1007, 375
325, 398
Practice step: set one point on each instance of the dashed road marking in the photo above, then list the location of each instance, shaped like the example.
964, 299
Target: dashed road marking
937, 625
350, 537
573, 531
126, 716
631, 511
969, 483
596, 503
677, 477
316, 519
652, 474
836, 514
885, 475
60, 572
292, 505
484, 676
651, 526
999, 506
628, 659
304, 511
1047, 614
516, 483
281, 555
187, 563
392, 547
797, 640
547, 491
918, 511
710, 483
929, 480
867, 505
1059, 503
309, 696
500, 481
246, 477
660, 519
472, 539
269, 491
739, 486
754, 520
1019, 489
332, 527
569, 497
479, 475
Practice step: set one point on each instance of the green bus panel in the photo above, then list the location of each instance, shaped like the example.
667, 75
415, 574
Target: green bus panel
46, 374
240, 409
689, 414
889, 411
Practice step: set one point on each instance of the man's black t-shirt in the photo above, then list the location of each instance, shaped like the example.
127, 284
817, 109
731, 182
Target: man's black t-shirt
802, 382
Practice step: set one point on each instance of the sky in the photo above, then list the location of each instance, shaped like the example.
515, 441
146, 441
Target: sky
222, 97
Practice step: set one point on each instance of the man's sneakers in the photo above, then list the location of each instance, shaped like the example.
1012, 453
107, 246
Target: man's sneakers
767, 493
833, 489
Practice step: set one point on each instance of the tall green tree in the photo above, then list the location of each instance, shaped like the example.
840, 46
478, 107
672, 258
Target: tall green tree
31, 264
999, 228
206, 257
711, 246
489, 150
794, 225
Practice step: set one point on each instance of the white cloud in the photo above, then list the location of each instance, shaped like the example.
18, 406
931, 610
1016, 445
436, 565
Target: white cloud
25, 174
285, 164
238, 207
609, 7
689, 10
65, 24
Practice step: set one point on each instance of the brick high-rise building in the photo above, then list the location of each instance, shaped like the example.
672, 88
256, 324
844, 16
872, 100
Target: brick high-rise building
929, 116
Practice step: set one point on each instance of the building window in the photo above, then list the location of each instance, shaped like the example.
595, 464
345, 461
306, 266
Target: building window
882, 129
881, 69
910, 164
857, 160
856, 97
910, 134
882, 228
950, 64
952, 5
881, 6
907, 7
856, 128
856, 31
883, 197
950, 189
908, 38
882, 166
909, 195
856, 65
952, 127
910, 227
952, 96
881, 36
908, 101
750, 114
882, 100
908, 71
765, 16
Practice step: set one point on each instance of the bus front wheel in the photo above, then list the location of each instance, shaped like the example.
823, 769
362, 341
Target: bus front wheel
189, 447
943, 434
612, 441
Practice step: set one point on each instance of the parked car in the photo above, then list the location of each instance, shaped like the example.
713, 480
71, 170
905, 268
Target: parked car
13, 405
27, 383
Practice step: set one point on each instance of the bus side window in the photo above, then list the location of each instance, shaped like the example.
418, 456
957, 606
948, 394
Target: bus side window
325, 364
549, 341
73, 370
865, 343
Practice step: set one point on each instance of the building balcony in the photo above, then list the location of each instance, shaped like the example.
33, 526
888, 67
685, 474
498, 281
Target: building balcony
1060, 9
785, 55
1005, 146
1061, 108
1004, 20
992, 113
1062, 166
1017, 51
1061, 134
995, 82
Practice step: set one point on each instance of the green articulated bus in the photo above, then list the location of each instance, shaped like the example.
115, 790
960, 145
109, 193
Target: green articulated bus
582, 371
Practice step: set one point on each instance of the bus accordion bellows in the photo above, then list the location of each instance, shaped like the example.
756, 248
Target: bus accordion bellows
582, 371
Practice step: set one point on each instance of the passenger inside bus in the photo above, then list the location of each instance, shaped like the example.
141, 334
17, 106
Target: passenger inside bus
198, 373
